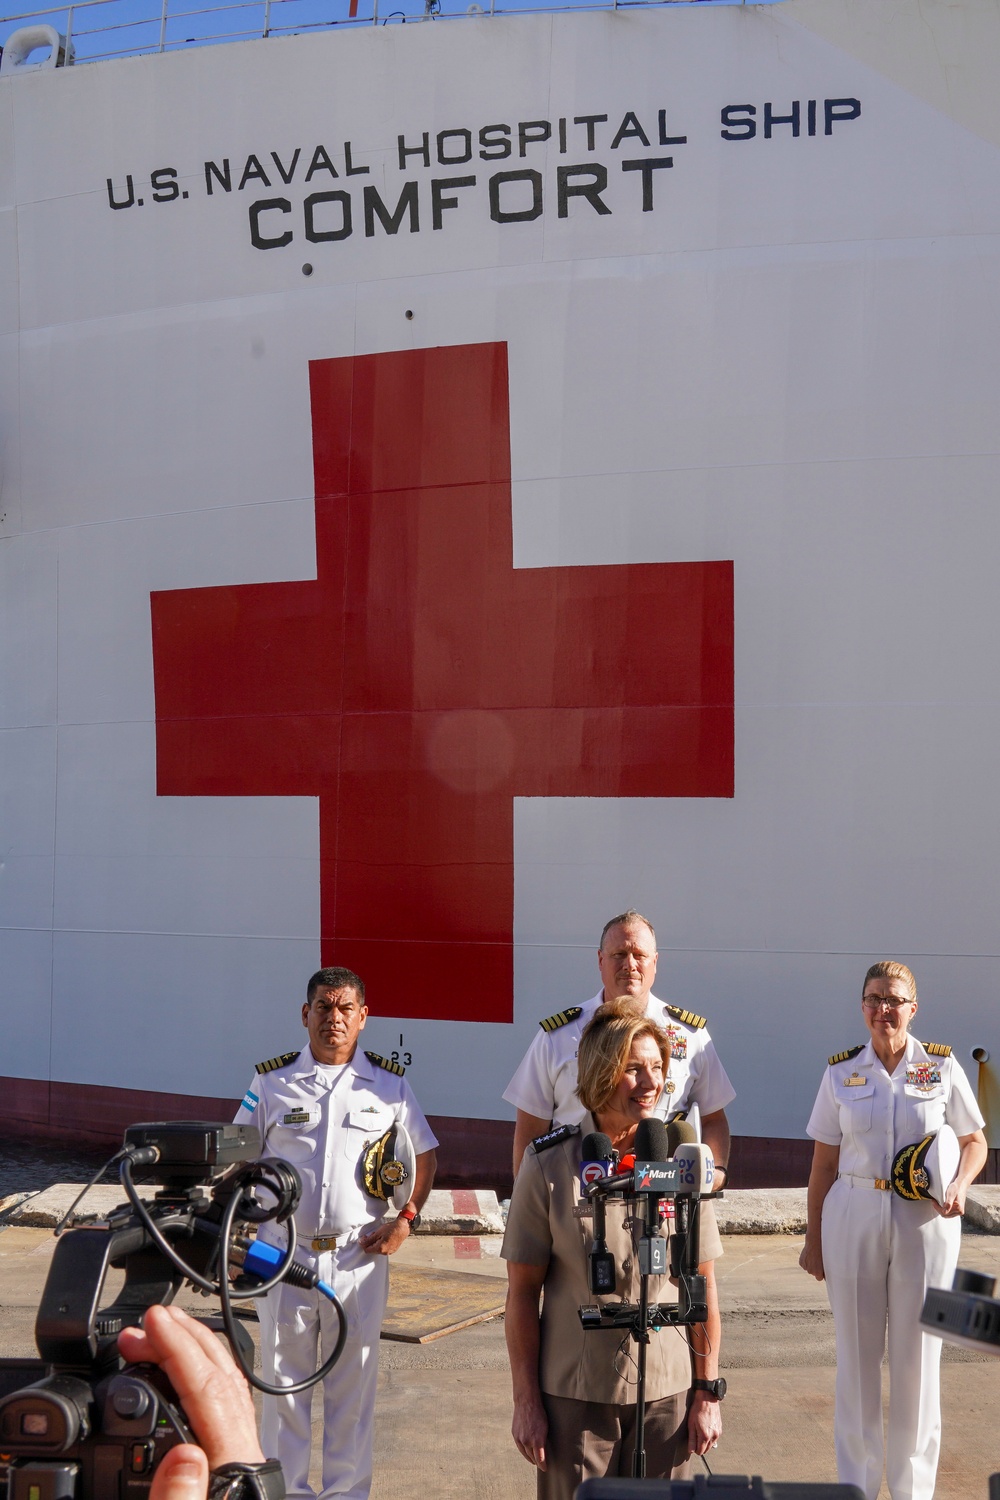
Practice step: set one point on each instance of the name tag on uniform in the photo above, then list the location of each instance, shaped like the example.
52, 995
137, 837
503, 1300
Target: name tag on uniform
855, 1081
296, 1117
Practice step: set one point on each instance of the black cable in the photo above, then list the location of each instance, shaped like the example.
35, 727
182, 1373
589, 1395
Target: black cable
83, 1191
159, 1239
228, 1318
176, 1260
221, 1287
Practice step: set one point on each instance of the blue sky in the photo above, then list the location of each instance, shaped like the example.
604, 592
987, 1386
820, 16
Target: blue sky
114, 27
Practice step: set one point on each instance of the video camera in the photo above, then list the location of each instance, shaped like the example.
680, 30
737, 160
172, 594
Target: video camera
79, 1424
968, 1315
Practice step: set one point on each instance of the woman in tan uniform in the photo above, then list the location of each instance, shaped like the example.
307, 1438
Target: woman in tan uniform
574, 1390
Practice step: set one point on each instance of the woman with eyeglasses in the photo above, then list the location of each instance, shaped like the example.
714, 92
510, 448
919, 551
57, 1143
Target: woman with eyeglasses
877, 1251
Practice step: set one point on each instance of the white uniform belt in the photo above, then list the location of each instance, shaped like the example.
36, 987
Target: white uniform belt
321, 1241
882, 1183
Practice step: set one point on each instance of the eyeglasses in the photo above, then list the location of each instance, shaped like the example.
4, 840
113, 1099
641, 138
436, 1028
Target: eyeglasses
876, 1005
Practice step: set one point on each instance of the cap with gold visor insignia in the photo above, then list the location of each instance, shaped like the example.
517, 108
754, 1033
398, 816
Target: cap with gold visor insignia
388, 1165
925, 1168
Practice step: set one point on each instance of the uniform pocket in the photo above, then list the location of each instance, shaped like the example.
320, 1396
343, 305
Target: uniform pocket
855, 1105
294, 1142
364, 1125
933, 1095
924, 1110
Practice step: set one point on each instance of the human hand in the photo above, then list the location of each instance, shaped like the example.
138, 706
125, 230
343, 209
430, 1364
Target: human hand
181, 1474
953, 1206
811, 1259
530, 1430
213, 1393
704, 1422
384, 1238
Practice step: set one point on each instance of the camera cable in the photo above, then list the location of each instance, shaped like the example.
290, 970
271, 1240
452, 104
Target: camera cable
287, 1268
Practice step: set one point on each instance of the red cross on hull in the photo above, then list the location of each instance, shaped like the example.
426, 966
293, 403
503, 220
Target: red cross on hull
421, 682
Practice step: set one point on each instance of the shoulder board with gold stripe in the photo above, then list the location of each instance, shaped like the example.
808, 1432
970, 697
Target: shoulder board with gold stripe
386, 1063
686, 1017
561, 1018
937, 1049
839, 1057
275, 1062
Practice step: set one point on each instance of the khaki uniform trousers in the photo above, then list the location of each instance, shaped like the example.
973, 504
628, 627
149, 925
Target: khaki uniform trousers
591, 1440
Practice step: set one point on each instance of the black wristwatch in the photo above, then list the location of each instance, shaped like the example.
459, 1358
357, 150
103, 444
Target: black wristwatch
247, 1481
714, 1388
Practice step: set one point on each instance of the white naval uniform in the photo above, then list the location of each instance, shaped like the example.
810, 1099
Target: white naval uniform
320, 1117
545, 1082
880, 1254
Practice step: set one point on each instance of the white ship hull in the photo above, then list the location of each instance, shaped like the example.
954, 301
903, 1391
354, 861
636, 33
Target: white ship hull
461, 480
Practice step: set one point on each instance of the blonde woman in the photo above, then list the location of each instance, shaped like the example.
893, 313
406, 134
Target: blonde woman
574, 1391
878, 1252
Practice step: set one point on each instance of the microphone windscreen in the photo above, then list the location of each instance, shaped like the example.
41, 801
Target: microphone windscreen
597, 1147
680, 1133
697, 1167
652, 1142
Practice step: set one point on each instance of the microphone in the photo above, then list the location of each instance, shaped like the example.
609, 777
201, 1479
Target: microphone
598, 1162
652, 1149
697, 1169
652, 1140
680, 1133
652, 1146
698, 1174
598, 1159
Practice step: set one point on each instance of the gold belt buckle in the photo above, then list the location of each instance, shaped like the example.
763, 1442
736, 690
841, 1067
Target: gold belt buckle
323, 1242
881, 1182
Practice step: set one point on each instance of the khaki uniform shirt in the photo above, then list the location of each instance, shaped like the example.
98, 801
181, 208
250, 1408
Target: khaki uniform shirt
542, 1230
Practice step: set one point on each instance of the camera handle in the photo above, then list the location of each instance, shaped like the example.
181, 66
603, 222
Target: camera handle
68, 1330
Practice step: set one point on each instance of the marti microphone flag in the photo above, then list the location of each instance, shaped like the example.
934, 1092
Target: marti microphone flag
652, 1154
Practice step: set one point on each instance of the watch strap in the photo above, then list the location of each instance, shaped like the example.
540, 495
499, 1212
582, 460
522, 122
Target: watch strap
238, 1481
716, 1388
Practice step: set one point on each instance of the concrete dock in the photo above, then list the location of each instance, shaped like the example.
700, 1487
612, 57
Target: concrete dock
443, 1417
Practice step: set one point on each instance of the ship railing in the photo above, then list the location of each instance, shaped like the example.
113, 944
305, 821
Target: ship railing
95, 30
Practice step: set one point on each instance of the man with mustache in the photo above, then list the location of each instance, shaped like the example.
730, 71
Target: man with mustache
320, 1109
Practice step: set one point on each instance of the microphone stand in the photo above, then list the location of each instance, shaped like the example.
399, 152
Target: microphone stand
640, 1317
648, 1246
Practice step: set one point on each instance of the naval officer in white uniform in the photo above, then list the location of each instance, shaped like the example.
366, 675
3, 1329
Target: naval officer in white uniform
877, 1251
319, 1109
543, 1089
